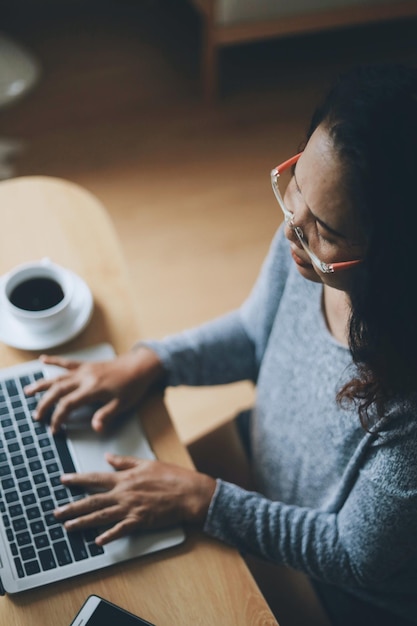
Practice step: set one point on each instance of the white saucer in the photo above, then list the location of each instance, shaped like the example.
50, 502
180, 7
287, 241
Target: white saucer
15, 334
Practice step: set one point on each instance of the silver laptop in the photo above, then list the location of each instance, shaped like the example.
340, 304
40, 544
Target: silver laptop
35, 549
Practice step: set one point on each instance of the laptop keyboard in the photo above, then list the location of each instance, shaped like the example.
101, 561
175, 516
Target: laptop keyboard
31, 463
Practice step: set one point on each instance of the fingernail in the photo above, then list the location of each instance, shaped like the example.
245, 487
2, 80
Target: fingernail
66, 477
35, 415
70, 524
60, 509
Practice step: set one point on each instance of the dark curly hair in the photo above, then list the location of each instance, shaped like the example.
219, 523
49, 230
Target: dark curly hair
371, 115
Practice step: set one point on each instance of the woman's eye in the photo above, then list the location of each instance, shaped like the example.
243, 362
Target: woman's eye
324, 235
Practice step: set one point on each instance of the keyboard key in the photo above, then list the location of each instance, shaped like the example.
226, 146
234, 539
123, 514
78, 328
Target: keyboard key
25, 485
5, 470
38, 479
28, 553
61, 494
95, 550
21, 472
23, 539
29, 499
19, 523
47, 505
77, 546
56, 532
12, 496
37, 527
11, 387
42, 541
7, 483
31, 568
56, 481
62, 553
19, 567
35, 465
33, 513
47, 559
64, 454
50, 520
15, 510
43, 491
90, 534
40, 428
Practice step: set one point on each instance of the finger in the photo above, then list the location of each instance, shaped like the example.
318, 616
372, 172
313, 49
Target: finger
61, 361
45, 383
101, 517
105, 414
40, 385
85, 506
121, 462
71, 397
59, 387
122, 529
93, 481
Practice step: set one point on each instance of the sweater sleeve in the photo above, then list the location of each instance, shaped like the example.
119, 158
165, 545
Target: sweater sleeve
229, 348
362, 543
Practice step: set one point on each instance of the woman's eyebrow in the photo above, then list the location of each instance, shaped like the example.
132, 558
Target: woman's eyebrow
323, 224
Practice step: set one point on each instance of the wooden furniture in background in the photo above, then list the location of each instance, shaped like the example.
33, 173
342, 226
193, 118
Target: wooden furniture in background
200, 582
217, 35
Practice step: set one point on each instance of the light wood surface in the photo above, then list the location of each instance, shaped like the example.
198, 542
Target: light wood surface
202, 581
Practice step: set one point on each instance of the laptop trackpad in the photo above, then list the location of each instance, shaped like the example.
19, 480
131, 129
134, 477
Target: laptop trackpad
89, 447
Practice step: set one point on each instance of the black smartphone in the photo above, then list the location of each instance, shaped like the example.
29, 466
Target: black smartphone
99, 612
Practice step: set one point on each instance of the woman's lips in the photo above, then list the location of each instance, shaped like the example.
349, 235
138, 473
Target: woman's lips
298, 260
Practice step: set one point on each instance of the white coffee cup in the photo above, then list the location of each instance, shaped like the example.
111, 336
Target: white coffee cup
38, 294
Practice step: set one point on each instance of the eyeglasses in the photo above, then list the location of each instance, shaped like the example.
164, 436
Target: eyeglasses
326, 268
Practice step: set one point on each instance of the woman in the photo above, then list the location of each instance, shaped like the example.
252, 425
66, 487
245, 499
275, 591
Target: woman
329, 336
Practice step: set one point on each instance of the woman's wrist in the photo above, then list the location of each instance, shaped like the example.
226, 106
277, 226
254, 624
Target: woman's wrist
148, 366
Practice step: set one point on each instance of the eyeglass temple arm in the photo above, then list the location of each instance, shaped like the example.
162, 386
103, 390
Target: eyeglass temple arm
288, 163
344, 265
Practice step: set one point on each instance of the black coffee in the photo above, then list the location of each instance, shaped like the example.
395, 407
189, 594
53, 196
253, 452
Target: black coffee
37, 294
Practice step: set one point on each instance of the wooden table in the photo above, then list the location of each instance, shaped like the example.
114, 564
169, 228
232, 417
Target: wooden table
200, 582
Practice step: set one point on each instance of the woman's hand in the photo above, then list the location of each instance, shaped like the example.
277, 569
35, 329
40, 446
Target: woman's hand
141, 495
118, 385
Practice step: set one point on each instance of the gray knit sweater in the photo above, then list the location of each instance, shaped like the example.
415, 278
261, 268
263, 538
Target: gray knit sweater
333, 501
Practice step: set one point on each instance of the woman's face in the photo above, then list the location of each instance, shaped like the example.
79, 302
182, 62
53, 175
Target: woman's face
318, 196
